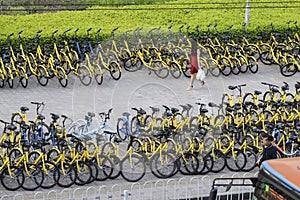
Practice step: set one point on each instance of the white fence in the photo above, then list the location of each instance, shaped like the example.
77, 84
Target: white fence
183, 188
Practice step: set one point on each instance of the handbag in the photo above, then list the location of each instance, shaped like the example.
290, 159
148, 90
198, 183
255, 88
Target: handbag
200, 76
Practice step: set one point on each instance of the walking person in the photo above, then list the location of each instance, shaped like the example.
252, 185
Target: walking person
194, 61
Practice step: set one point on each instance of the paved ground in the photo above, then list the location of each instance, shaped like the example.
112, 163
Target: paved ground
133, 90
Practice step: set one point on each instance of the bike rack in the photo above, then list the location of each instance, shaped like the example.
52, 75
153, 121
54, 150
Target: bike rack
184, 184
39, 193
195, 188
112, 192
68, 191
144, 189
138, 191
162, 188
88, 194
175, 188
19, 195
50, 192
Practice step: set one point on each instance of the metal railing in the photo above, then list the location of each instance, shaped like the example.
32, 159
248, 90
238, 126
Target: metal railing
181, 188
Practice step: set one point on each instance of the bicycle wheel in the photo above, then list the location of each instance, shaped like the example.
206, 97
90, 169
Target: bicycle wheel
16, 118
12, 178
288, 70
122, 129
33, 156
105, 167
51, 174
160, 70
67, 175
219, 161
186, 68
84, 172
42, 76
251, 161
10, 82
108, 148
98, 75
208, 164
253, 66
213, 68
243, 66
114, 70
33, 177
62, 77
84, 75
235, 160
175, 71
133, 168
225, 65
23, 78
163, 165
188, 164
15, 155
236, 67
116, 167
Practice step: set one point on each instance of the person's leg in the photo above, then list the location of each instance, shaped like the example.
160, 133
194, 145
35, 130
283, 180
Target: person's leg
193, 76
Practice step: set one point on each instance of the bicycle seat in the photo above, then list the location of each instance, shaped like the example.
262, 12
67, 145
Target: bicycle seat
54, 116
154, 109
126, 114
174, 110
230, 109
24, 109
142, 112
204, 110
91, 114
256, 92
11, 127
41, 117
231, 87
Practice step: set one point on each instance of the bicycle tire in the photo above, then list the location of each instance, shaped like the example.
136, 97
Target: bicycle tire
34, 178
208, 164
108, 148
23, 77
214, 69
16, 118
251, 161
14, 181
266, 57
122, 129
94, 170
175, 70
225, 65
84, 172
253, 66
105, 167
115, 70
243, 67
288, 70
186, 69
236, 67
219, 161
163, 165
116, 167
62, 77
188, 164
67, 175
160, 70
50, 174
15, 155
133, 168
238, 163
2, 82
98, 78
84, 75
10, 82
42, 76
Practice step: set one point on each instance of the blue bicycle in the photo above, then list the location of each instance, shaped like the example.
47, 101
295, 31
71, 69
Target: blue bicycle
86, 132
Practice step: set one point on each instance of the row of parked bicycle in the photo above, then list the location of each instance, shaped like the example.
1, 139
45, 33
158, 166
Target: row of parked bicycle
35, 154
159, 51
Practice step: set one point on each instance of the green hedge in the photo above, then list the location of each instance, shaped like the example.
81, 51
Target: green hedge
175, 13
